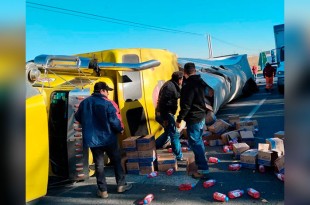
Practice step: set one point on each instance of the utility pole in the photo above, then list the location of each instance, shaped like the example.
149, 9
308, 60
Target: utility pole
210, 46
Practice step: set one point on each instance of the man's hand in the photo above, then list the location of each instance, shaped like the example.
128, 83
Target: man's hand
178, 125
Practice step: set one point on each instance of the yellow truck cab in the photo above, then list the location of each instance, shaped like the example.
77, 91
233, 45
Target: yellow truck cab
62, 82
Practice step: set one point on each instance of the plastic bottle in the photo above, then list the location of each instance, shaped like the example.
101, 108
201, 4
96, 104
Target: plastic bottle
280, 176
253, 193
148, 199
205, 142
214, 160
170, 150
235, 193
234, 167
152, 174
185, 187
209, 183
261, 168
220, 197
226, 148
170, 171
185, 149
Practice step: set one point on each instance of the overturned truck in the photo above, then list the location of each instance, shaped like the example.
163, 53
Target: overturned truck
56, 85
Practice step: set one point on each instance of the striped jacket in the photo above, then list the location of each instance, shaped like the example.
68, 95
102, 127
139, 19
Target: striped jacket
100, 119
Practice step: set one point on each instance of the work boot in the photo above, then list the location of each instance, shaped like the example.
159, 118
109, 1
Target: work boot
123, 188
102, 194
197, 175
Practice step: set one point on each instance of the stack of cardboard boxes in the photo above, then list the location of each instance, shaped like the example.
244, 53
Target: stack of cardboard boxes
140, 153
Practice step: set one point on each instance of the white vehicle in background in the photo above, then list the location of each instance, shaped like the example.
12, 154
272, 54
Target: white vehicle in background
279, 42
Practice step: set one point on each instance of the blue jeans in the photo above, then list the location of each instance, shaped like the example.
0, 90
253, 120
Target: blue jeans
113, 153
171, 133
194, 132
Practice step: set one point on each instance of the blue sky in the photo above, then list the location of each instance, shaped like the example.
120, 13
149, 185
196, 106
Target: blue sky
236, 26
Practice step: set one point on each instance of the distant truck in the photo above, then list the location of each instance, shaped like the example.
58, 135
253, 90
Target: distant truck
279, 43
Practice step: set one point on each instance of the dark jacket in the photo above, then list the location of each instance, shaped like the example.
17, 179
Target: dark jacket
100, 120
269, 71
168, 97
192, 101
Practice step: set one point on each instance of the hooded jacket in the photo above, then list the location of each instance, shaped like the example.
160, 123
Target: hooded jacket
100, 119
168, 97
192, 101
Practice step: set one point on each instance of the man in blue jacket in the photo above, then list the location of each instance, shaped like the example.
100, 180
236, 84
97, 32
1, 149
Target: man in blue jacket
101, 122
193, 112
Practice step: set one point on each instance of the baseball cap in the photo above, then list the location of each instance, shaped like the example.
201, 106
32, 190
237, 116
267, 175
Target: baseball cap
101, 86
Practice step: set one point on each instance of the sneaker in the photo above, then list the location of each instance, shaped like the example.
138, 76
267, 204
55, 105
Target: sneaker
198, 175
124, 187
102, 194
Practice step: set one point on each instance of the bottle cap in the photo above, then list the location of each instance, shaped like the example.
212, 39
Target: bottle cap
226, 198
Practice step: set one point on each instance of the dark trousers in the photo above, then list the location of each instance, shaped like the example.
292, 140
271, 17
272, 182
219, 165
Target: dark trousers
113, 153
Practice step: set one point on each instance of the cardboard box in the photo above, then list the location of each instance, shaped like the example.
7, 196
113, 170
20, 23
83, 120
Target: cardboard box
130, 143
163, 152
219, 127
276, 144
146, 143
132, 156
165, 167
250, 125
146, 168
132, 166
247, 137
233, 119
213, 136
279, 134
279, 164
239, 148
217, 142
147, 155
248, 159
230, 136
265, 156
166, 160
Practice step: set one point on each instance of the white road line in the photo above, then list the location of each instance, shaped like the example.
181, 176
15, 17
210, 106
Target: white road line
254, 109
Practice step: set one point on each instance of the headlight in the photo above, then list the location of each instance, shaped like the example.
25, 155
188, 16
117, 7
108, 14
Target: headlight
280, 73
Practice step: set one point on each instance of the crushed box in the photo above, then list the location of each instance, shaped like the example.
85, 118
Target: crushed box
279, 134
247, 137
233, 119
247, 125
230, 136
279, 164
276, 144
265, 155
248, 159
219, 127
239, 148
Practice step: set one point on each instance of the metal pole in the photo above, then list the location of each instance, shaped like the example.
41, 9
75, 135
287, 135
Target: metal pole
210, 46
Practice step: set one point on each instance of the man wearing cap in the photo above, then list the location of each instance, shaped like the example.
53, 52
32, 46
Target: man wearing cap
193, 112
166, 108
101, 122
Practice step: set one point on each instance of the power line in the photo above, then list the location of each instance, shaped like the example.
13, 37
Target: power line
118, 21
115, 20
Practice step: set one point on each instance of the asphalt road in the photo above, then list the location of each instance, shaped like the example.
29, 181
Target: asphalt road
266, 107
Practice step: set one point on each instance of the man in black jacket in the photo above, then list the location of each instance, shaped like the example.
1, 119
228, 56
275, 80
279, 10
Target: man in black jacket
193, 112
166, 108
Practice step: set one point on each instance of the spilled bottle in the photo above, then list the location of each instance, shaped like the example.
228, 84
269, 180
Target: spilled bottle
280, 176
170, 171
148, 199
152, 174
220, 197
253, 193
235, 193
213, 160
185, 187
234, 167
209, 183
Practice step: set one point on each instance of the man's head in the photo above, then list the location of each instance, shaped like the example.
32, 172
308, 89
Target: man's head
189, 69
177, 75
101, 86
